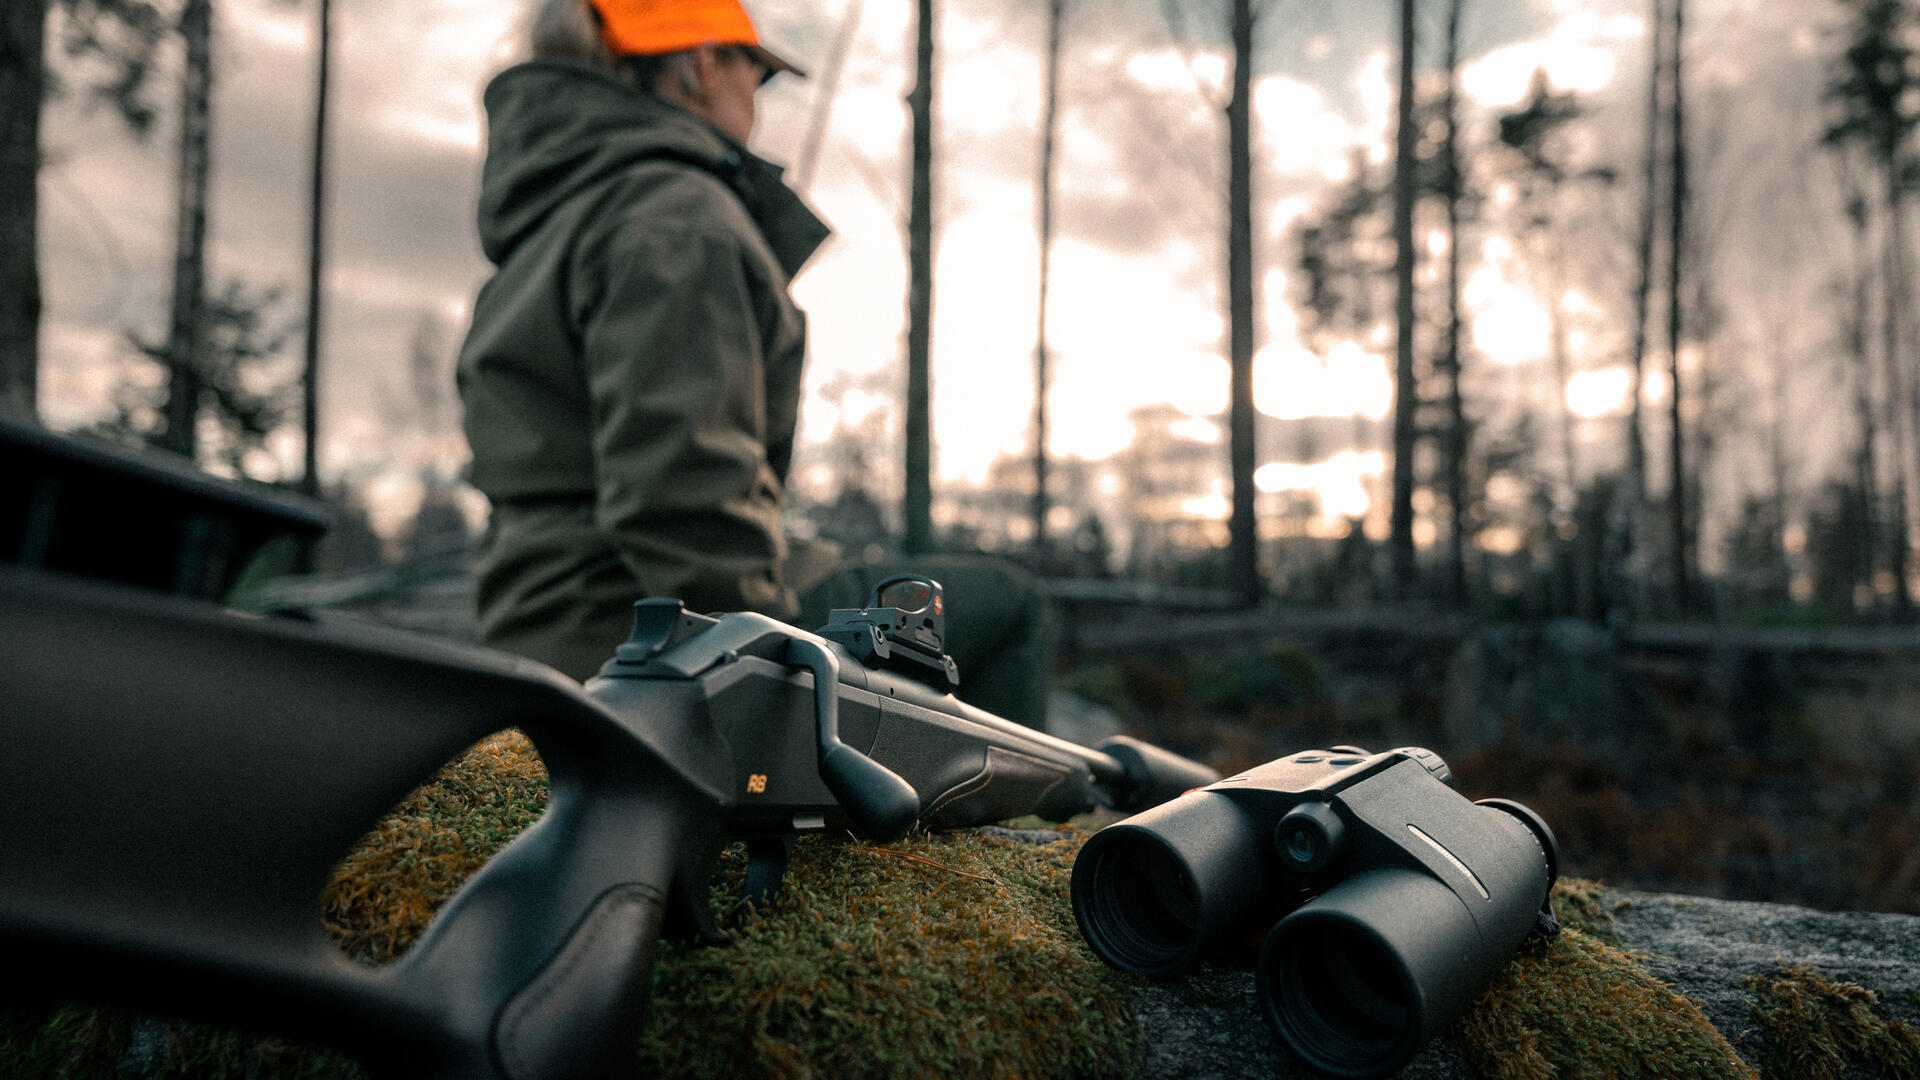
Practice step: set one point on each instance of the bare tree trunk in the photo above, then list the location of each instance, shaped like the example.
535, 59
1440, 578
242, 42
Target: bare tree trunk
185, 343
1682, 568
1049, 122
1779, 577
1565, 512
1561, 359
1243, 554
22, 83
1636, 486
1866, 467
316, 237
919, 425
1895, 295
1623, 523
1405, 393
1456, 456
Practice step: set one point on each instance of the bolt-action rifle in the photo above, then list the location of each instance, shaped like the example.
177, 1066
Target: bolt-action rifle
183, 778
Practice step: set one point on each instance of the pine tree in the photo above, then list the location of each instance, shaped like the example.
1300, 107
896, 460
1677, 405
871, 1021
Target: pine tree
120, 36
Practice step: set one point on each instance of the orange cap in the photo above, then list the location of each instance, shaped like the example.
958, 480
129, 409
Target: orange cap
651, 27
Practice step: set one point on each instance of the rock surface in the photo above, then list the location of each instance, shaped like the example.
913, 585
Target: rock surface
1707, 948
1209, 1028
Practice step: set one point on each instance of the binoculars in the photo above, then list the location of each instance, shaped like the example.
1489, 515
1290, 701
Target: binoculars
1388, 900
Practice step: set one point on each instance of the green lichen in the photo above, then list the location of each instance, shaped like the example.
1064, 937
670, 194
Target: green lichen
939, 955
1814, 1029
62, 1040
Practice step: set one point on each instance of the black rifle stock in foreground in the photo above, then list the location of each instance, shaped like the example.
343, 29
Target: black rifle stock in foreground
182, 779
1397, 900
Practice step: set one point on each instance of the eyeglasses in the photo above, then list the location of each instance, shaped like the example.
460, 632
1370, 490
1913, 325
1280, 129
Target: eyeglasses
741, 52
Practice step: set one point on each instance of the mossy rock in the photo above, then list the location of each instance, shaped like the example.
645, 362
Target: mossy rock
948, 955
1820, 1029
1577, 1007
936, 956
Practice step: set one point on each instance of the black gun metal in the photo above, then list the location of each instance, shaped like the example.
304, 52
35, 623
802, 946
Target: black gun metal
184, 778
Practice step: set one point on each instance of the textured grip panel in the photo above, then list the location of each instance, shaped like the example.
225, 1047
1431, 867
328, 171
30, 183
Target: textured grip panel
590, 996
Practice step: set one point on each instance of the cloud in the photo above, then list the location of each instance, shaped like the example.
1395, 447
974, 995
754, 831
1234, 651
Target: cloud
1580, 52
1300, 136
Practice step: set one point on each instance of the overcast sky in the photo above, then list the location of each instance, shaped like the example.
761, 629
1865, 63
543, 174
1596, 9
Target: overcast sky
1136, 314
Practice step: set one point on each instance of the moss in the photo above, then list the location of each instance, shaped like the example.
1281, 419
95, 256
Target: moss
940, 955
384, 892
1102, 684
1815, 1029
1589, 907
75, 1042
378, 900
1574, 1007
62, 1040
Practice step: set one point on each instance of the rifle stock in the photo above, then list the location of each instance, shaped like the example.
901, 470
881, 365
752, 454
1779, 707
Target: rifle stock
185, 778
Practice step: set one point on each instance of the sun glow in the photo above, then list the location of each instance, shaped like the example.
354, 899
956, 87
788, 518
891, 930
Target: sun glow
1291, 383
1593, 394
1509, 324
1338, 483
1212, 506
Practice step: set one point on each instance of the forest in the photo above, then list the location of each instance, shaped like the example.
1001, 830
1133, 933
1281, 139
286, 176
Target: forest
1713, 415
1497, 412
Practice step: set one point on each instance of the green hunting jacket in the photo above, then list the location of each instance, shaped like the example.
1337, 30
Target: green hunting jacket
632, 375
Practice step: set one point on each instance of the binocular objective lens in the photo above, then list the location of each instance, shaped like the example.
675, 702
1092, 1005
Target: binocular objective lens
1145, 908
1342, 998
1172, 892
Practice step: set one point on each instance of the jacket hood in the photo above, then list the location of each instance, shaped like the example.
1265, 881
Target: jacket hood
556, 128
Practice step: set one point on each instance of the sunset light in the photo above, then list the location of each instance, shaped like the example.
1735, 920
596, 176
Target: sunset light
1080, 400
1349, 381
1136, 318
1340, 482
1606, 392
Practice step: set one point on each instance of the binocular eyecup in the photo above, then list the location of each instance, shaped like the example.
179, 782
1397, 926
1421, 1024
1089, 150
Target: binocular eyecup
1388, 901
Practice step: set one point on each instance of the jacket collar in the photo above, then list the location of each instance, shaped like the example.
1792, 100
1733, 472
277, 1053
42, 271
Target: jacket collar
555, 126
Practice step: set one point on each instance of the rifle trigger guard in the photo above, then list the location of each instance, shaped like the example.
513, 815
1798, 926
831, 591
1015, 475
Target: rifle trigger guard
879, 805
